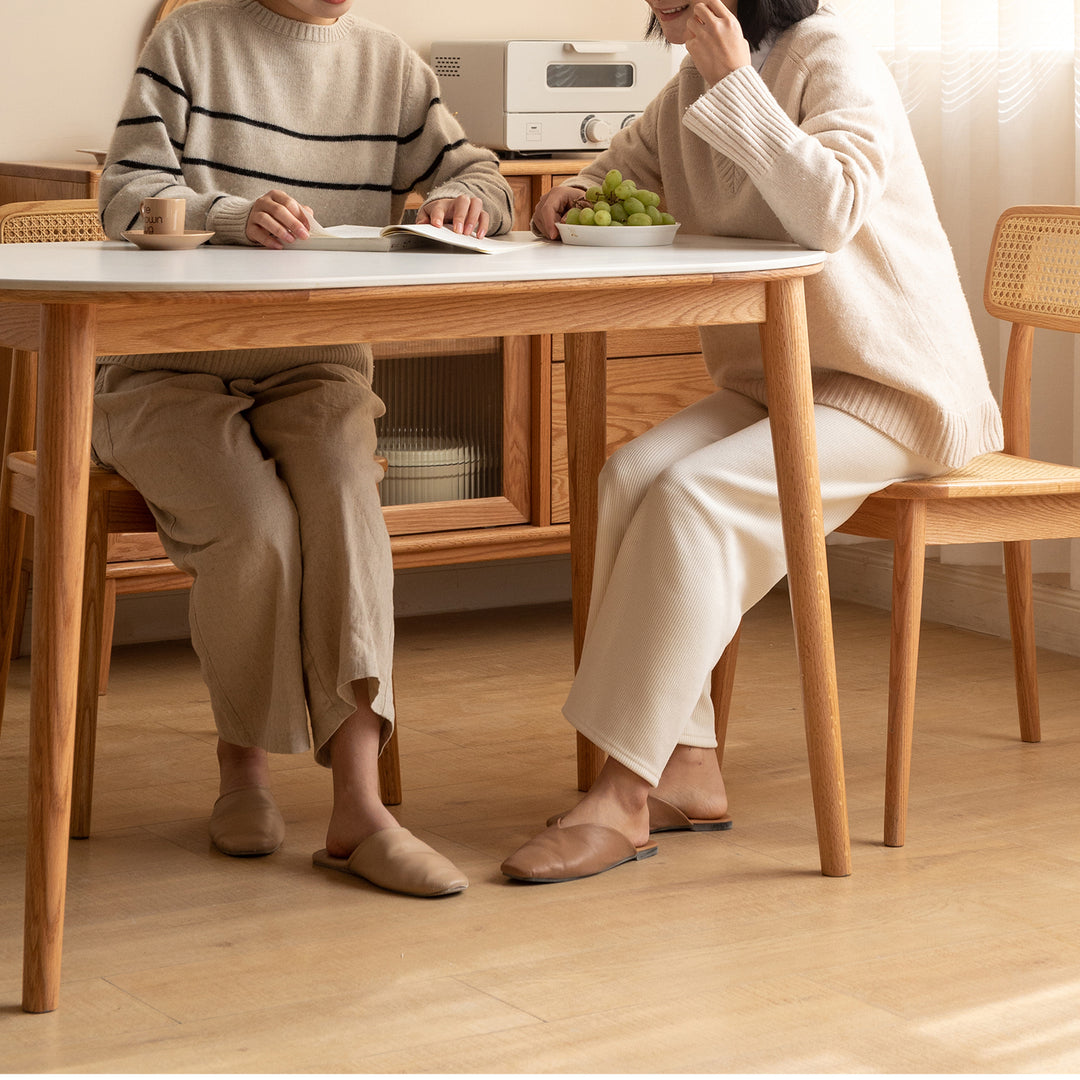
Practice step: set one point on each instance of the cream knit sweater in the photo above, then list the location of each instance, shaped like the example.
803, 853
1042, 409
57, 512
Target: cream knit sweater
817, 149
230, 100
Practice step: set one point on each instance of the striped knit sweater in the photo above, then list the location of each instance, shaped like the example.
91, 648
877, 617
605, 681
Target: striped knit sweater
231, 100
817, 148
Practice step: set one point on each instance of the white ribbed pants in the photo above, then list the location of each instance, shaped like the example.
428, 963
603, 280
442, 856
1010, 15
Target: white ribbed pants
688, 539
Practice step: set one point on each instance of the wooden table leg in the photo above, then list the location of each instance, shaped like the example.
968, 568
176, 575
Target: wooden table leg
787, 373
586, 446
65, 397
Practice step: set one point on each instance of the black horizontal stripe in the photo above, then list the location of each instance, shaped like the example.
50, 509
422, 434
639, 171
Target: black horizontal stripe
290, 181
265, 125
135, 120
151, 166
164, 82
437, 162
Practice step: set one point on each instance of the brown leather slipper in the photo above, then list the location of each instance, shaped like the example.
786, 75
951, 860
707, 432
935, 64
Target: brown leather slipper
664, 817
247, 822
394, 859
569, 852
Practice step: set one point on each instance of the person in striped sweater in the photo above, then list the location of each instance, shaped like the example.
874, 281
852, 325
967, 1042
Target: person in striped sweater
259, 463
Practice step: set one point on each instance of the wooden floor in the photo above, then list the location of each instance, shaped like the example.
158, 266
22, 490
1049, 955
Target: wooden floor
725, 953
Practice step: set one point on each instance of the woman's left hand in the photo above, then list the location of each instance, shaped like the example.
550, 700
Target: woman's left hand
464, 215
715, 42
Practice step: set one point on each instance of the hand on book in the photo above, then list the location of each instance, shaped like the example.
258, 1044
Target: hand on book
276, 219
463, 215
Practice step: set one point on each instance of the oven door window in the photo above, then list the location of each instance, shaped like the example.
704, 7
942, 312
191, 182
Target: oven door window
590, 76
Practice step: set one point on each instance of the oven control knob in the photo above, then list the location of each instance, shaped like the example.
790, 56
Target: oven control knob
595, 130
628, 120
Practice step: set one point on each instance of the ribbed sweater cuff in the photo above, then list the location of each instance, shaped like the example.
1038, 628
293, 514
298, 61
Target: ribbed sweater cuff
741, 119
228, 219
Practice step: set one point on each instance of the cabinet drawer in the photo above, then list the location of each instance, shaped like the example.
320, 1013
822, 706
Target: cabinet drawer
641, 391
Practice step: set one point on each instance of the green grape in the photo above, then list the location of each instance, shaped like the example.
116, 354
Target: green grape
654, 214
602, 204
615, 223
647, 198
593, 193
666, 218
618, 214
602, 217
572, 216
633, 206
639, 219
612, 181
586, 215
624, 190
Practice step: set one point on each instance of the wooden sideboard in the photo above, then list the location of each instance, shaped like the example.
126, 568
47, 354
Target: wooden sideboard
651, 374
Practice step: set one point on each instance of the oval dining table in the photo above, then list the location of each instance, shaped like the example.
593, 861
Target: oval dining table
72, 302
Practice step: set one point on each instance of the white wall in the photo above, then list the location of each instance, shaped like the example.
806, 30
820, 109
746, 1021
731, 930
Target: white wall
65, 65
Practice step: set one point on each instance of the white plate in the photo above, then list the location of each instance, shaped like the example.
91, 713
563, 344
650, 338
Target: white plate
99, 155
167, 241
619, 236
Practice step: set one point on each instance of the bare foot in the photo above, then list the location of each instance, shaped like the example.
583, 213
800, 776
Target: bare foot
241, 767
617, 799
691, 781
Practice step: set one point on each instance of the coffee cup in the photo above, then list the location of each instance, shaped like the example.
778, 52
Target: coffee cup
163, 217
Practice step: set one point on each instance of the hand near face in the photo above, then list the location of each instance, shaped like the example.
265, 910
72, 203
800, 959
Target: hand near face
715, 41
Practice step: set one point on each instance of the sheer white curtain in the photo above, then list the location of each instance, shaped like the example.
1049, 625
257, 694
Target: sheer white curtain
992, 88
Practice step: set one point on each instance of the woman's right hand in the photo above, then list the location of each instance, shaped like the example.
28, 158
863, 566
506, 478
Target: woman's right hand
277, 219
551, 208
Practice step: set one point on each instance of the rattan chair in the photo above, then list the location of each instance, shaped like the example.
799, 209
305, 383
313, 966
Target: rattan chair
117, 516
1032, 281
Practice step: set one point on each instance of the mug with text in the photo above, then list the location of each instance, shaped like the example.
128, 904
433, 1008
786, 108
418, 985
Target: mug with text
163, 217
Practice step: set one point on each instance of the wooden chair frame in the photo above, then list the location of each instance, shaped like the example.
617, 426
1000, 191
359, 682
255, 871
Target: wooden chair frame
114, 509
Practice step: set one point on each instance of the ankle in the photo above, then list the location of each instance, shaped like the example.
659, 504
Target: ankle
241, 767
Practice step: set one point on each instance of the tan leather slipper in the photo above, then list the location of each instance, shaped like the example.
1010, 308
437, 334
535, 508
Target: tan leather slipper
569, 852
394, 859
247, 822
665, 817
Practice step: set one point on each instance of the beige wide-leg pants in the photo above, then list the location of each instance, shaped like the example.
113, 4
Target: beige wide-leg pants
688, 539
266, 492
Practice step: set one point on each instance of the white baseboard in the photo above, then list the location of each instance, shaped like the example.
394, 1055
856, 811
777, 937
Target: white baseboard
970, 597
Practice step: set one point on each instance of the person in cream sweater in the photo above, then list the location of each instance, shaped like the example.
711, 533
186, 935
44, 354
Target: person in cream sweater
259, 463
779, 125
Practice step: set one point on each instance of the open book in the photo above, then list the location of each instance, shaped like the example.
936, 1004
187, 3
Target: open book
395, 238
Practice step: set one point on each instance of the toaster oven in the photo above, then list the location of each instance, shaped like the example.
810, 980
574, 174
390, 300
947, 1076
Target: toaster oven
545, 97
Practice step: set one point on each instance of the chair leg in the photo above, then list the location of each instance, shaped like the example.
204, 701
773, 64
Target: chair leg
22, 601
909, 556
723, 679
1022, 625
18, 435
390, 772
12, 533
108, 623
86, 705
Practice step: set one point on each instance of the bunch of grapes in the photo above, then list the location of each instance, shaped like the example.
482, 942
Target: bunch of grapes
618, 202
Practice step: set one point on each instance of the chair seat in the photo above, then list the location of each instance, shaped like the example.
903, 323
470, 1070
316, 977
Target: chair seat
990, 476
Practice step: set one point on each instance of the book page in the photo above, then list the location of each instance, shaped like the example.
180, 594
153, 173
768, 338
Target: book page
343, 238
438, 234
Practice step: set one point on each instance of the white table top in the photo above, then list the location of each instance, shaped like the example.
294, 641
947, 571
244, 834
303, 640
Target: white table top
117, 266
